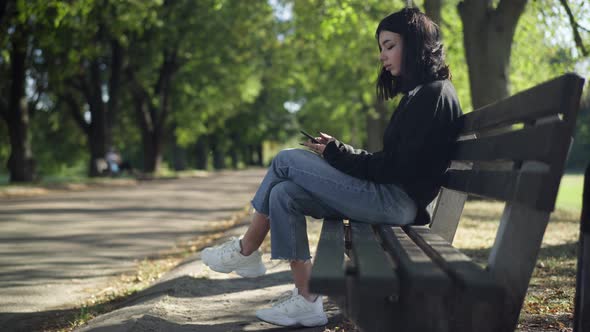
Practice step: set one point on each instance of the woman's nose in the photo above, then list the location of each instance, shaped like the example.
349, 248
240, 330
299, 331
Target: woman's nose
381, 56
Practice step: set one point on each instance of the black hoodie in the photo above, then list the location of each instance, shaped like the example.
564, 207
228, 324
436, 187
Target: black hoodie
417, 145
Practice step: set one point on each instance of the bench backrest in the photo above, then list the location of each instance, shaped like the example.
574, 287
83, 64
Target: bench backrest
514, 151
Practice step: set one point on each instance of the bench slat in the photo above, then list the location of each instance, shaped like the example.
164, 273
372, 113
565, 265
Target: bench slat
415, 268
533, 143
447, 213
327, 275
477, 297
463, 270
527, 188
375, 273
540, 101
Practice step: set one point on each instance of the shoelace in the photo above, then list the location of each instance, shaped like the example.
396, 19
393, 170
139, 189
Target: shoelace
282, 298
227, 246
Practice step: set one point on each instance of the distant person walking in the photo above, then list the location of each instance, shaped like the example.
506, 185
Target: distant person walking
392, 186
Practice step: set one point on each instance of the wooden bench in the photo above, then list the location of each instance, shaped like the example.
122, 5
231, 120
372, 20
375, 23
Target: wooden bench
411, 278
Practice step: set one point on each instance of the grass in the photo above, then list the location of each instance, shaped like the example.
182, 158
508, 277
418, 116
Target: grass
549, 302
570, 192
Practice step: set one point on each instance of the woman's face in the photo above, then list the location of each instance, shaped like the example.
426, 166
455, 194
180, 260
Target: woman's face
392, 47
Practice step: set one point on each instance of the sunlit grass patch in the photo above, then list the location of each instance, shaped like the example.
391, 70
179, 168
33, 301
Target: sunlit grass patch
570, 192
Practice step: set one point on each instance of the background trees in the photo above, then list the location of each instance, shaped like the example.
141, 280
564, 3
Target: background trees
204, 84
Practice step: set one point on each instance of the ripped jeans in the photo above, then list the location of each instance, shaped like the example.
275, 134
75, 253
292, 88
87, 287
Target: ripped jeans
300, 183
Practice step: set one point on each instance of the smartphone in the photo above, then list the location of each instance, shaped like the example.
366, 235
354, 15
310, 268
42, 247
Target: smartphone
310, 137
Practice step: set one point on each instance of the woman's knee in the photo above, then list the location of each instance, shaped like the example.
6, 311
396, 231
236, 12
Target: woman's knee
282, 192
289, 156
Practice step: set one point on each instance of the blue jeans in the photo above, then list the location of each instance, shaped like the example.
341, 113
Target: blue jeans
300, 183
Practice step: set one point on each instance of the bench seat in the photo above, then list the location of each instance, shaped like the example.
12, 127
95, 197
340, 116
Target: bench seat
381, 259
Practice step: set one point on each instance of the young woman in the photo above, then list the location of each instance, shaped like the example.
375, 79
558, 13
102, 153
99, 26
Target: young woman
392, 186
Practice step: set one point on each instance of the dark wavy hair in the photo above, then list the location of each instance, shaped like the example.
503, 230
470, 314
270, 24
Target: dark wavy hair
423, 57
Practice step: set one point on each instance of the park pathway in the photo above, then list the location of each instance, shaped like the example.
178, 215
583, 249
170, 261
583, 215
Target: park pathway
55, 248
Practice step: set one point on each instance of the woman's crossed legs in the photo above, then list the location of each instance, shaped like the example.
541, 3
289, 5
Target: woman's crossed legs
300, 183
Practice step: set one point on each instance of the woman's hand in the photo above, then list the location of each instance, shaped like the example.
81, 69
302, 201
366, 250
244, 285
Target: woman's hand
323, 140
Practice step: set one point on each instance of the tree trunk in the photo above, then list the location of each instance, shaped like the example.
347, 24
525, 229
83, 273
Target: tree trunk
259, 154
20, 163
235, 157
150, 140
102, 114
249, 155
218, 154
202, 153
152, 152
488, 34
178, 152
179, 155
376, 123
234, 150
116, 65
151, 117
97, 142
432, 9
219, 151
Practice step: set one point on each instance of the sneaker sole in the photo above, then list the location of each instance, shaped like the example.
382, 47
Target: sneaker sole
252, 273
246, 273
310, 321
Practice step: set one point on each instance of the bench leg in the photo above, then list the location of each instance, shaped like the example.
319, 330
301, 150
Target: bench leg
582, 299
514, 255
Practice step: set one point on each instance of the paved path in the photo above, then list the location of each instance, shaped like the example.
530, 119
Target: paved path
55, 248
193, 298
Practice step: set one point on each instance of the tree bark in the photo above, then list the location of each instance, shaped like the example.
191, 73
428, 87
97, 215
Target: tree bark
152, 118
249, 155
116, 65
574, 25
432, 8
97, 140
178, 152
20, 163
234, 150
218, 155
488, 34
102, 114
151, 142
259, 154
202, 153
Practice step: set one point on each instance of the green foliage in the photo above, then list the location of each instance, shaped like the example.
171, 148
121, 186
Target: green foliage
57, 143
237, 66
337, 64
536, 59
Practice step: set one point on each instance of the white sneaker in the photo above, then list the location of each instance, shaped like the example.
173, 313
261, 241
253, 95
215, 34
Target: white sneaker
293, 309
226, 258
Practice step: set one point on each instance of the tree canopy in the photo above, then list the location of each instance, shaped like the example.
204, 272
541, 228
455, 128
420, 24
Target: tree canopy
206, 83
